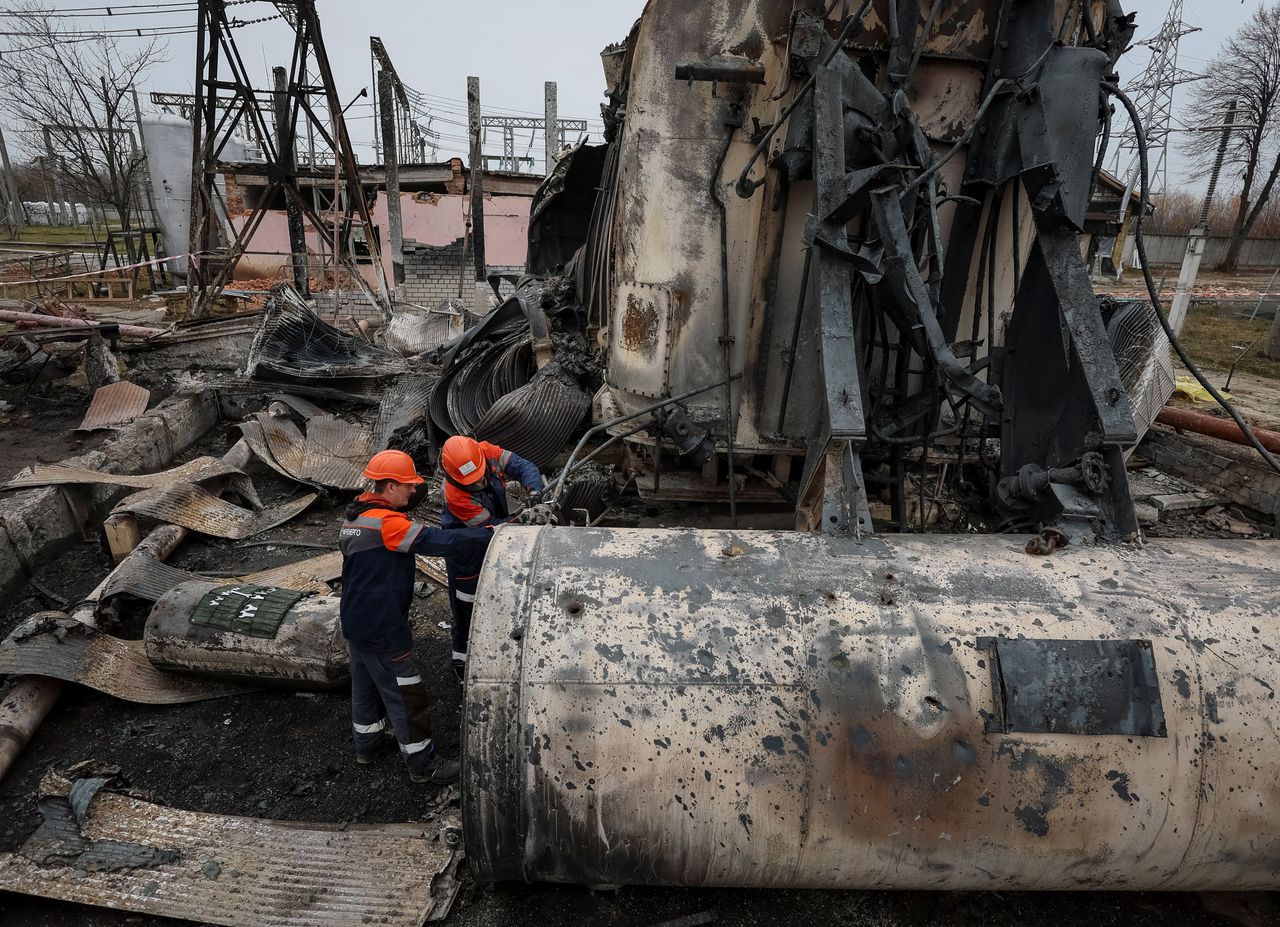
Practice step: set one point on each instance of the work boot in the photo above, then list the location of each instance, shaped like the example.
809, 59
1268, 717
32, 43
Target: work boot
385, 743
441, 772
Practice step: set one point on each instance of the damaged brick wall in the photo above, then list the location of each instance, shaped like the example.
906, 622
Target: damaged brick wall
1231, 471
433, 274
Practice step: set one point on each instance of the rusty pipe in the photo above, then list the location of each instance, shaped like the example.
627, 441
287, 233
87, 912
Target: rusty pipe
1222, 429
768, 709
31, 698
56, 321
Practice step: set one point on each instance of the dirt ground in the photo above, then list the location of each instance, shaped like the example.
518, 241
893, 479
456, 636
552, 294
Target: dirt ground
286, 755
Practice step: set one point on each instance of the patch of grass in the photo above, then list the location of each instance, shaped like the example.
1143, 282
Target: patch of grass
56, 234
1215, 341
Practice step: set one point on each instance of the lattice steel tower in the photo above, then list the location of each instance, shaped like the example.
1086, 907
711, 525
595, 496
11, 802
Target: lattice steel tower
1152, 94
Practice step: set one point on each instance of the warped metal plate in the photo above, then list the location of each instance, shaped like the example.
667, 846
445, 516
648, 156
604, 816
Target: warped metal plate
331, 452
236, 871
148, 578
54, 645
337, 452
199, 510
310, 575
115, 404
195, 471
294, 342
405, 402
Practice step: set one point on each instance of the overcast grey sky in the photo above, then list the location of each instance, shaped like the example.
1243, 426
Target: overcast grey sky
516, 45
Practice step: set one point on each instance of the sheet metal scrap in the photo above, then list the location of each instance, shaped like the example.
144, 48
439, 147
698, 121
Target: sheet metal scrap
200, 510
51, 644
296, 344
404, 404
330, 452
241, 872
115, 404
148, 578
200, 470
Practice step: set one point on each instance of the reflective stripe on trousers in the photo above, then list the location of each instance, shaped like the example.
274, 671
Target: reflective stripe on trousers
388, 689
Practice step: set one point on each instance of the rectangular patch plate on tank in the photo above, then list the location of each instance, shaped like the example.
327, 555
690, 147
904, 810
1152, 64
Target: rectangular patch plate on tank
255, 611
1074, 687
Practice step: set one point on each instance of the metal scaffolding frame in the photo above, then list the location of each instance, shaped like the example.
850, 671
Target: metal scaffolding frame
224, 105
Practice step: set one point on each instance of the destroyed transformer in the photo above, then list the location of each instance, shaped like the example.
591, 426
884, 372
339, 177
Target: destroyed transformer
830, 239
858, 238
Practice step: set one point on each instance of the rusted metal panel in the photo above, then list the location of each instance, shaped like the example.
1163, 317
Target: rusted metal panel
51, 644
148, 578
763, 709
115, 404
240, 872
197, 509
331, 452
200, 470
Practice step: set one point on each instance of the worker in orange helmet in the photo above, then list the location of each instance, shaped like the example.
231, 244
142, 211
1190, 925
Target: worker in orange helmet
378, 541
475, 496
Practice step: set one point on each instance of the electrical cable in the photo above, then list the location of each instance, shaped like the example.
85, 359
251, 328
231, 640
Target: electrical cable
745, 186
1143, 204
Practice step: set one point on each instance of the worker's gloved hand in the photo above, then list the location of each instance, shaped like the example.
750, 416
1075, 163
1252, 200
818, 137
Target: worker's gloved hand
544, 513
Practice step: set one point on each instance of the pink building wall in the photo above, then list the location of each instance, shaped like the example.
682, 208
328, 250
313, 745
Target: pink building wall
435, 219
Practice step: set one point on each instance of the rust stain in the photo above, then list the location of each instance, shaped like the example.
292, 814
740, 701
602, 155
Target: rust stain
640, 321
115, 404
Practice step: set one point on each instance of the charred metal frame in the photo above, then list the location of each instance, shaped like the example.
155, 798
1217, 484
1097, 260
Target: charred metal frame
1052, 390
225, 104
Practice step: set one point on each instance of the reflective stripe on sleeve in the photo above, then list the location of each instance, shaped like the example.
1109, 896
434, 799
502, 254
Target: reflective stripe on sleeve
415, 748
408, 680
370, 728
464, 596
478, 520
410, 536
503, 459
364, 521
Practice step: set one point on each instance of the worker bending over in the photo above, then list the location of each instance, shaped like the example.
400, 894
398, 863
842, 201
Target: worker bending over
378, 542
475, 496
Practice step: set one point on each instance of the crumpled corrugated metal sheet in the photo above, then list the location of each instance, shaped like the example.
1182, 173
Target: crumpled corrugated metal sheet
199, 470
331, 452
148, 578
200, 510
51, 644
294, 342
536, 420
115, 404
404, 403
245, 872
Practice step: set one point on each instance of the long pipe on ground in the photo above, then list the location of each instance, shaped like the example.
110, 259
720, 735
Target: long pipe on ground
1223, 429
31, 698
786, 710
57, 321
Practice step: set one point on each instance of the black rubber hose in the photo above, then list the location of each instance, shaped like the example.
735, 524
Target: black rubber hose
1141, 136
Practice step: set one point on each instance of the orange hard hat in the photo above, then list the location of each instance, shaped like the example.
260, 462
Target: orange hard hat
463, 460
392, 465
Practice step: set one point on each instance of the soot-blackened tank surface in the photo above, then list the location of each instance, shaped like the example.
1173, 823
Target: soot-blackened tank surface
713, 708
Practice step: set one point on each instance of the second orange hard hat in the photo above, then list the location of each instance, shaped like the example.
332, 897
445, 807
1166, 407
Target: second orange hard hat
463, 459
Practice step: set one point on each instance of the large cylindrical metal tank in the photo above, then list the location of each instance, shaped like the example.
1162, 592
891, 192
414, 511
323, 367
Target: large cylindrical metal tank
718, 708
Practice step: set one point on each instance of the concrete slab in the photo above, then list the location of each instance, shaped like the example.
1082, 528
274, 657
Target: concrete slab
1184, 502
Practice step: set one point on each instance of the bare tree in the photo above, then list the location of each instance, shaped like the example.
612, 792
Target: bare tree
1246, 70
72, 93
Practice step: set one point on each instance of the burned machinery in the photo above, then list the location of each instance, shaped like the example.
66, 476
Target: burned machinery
838, 235
870, 226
